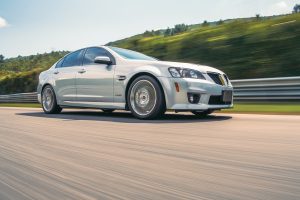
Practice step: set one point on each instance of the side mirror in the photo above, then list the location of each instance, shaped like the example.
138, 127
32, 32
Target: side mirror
103, 60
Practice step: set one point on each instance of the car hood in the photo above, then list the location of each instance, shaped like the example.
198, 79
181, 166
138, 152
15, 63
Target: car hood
201, 68
167, 64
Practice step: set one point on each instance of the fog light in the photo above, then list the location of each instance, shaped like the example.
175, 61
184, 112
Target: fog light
194, 98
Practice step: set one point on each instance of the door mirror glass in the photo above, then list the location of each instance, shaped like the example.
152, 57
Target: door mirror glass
103, 60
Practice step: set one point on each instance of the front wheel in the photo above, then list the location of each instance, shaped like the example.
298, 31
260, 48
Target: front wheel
49, 102
203, 113
145, 98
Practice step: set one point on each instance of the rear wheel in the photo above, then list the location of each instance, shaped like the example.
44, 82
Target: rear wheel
145, 98
49, 102
203, 113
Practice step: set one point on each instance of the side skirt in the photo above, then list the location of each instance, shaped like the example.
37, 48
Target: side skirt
109, 105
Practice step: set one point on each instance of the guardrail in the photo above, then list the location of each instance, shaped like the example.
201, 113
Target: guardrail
19, 98
265, 89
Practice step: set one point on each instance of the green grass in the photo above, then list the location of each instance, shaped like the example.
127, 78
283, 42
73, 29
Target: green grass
255, 108
265, 108
24, 105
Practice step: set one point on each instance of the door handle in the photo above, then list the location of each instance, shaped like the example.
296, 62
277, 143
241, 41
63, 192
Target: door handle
56, 72
81, 71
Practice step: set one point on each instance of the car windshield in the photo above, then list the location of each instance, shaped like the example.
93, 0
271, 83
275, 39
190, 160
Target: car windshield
132, 55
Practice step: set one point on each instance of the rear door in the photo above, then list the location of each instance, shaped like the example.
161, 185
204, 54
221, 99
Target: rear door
65, 76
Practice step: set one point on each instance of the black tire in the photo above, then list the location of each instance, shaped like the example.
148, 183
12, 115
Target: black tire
203, 113
107, 110
53, 107
155, 100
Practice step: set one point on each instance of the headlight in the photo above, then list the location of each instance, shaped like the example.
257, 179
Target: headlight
185, 73
175, 72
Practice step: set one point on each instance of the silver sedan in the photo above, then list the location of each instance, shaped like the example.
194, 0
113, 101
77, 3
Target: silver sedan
112, 78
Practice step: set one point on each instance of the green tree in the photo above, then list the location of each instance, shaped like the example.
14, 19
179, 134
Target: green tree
158, 32
179, 28
220, 22
296, 8
205, 23
1, 58
148, 33
151, 33
257, 16
168, 32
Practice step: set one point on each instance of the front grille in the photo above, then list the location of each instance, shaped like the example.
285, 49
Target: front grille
215, 77
217, 100
226, 78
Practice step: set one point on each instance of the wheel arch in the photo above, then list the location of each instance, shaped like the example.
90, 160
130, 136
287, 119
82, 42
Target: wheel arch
42, 88
46, 84
143, 74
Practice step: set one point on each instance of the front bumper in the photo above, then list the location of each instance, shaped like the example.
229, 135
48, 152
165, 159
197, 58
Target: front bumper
207, 90
39, 98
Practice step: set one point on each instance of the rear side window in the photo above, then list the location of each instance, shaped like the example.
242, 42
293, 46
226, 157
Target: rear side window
92, 53
73, 59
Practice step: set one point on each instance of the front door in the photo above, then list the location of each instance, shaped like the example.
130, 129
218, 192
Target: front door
94, 82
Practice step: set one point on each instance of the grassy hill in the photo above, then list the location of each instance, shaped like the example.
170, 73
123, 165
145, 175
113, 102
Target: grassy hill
20, 74
243, 48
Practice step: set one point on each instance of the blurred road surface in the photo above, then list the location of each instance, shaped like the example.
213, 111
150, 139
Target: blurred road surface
85, 154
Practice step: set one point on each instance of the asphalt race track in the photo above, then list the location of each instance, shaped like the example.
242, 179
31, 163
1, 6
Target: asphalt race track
86, 154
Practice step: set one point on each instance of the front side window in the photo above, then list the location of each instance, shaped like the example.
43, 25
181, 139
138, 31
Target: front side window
132, 55
59, 63
73, 59
92, 53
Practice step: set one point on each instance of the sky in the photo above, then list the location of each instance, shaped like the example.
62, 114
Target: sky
37, 26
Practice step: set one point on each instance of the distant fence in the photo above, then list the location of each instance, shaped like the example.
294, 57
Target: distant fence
265, 89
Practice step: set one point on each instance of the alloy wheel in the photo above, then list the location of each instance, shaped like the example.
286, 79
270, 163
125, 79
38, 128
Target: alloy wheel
143, 97
48, 99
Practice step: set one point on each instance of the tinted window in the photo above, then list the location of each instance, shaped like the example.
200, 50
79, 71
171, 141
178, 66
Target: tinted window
92, 53
73, 59
133, 55
59, 63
